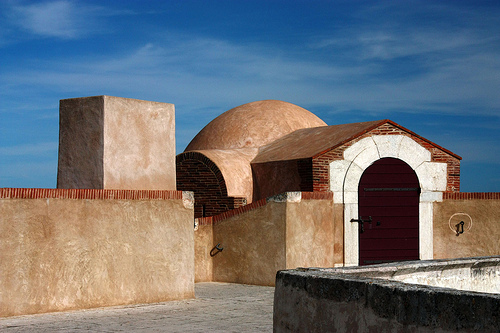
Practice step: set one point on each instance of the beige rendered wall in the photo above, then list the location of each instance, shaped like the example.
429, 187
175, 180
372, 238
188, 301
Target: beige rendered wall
254, 246
203, 243
310, 234
338, 245
62, 254
116, 143
287, 231
481, 228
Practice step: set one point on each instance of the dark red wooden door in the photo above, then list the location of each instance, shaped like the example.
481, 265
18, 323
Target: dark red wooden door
389, 194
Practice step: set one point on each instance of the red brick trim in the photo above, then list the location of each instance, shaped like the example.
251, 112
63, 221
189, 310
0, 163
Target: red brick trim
317, 195
197, 173
471, 196
321, 169
205, 220
256, 204
380, 123
94, 194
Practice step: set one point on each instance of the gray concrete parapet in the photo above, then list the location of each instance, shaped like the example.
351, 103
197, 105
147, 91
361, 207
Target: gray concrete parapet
348, 300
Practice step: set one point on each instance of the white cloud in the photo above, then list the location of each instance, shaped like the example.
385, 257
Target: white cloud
64, 19
41, 148
358, 71
52, 19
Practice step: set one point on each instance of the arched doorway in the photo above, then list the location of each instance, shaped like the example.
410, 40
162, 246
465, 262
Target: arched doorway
388, 204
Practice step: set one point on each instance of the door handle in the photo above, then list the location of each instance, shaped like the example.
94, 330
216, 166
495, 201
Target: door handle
361, 222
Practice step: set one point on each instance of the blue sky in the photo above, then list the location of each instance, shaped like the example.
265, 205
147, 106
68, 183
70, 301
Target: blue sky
431, 66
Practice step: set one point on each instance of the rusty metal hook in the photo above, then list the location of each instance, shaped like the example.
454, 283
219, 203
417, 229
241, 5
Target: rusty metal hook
460, 228
216, 250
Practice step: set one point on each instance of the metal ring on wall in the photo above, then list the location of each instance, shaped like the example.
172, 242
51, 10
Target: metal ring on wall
453, 226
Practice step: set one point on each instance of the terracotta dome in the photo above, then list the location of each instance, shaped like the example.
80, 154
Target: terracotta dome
253, 125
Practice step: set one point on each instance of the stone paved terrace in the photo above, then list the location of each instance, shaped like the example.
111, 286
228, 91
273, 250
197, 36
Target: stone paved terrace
218, 307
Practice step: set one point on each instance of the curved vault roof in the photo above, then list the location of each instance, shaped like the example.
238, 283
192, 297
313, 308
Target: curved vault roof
234, 164
253, 125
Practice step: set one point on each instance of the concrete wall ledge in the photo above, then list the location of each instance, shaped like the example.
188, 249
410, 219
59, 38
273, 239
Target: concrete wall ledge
481, 274
353, 300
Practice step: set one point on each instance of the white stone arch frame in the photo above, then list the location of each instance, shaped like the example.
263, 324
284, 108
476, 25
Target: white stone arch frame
345, 176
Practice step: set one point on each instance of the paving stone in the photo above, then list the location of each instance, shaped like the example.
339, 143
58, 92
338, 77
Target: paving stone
218, 307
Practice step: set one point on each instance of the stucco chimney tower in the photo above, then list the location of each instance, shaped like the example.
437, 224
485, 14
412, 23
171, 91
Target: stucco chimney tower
116, 143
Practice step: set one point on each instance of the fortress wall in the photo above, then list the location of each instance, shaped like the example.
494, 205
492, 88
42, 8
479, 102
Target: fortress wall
253, 246
310, 234
480, 213
76, 249
203, 243
284, 231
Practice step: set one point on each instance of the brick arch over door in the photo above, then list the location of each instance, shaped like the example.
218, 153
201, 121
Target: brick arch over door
197, 173
345, 176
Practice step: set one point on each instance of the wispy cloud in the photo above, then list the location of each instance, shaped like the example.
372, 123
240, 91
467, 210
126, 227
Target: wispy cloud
412, 60
41, 148
64, 19
373, 66
208, 70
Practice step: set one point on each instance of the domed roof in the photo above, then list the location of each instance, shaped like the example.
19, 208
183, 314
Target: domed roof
253, 125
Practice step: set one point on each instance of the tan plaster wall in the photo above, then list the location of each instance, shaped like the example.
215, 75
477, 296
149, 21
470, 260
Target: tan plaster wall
203, 243
338, 238
62, 254
139, 144
310, 232
276, 236
481, 240
254, 246
116, 143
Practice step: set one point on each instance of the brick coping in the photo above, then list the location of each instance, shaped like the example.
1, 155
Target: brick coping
256, 204
95, 194
471, 195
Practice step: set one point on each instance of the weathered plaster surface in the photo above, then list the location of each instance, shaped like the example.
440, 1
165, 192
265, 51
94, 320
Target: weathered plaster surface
345, 176
469, 274
188, 199
116, 143
81, 143
286, 232
372, 298
309, 233
139, 144
63, 254
481, 235
235, 167
254, 246
253, 125
203, 243
275, 177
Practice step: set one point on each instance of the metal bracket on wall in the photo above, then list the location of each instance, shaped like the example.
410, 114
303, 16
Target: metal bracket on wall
460, 228
216, 250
